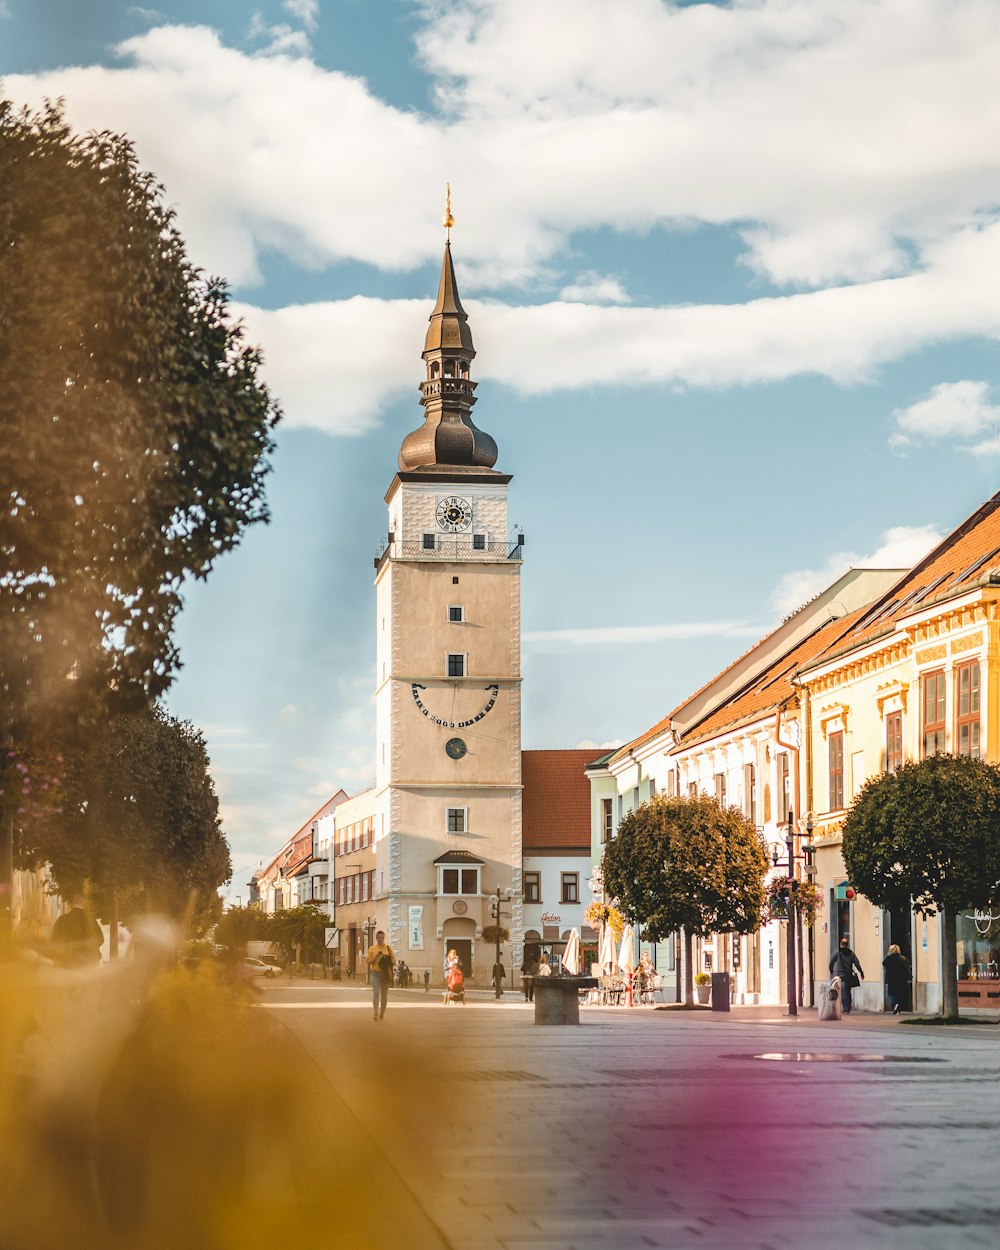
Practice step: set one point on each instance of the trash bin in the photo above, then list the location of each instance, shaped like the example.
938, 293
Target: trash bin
720, 991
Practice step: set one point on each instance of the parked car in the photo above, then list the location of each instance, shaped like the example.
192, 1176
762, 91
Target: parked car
258, 968
273, 960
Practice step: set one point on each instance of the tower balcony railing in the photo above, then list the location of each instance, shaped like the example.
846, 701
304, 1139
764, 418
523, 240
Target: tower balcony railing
483, 547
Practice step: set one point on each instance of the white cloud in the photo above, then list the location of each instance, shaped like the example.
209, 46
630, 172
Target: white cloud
304, 11
588, 745
901, 547
954, 410
843, 334
618, 635
625, 116
883, 177
595, 288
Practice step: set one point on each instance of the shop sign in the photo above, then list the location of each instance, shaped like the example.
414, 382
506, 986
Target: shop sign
549, 918
416, 914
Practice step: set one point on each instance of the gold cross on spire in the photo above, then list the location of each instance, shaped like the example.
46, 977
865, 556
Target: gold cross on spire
447, 220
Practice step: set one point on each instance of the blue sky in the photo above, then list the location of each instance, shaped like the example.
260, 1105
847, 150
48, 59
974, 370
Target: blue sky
728, 273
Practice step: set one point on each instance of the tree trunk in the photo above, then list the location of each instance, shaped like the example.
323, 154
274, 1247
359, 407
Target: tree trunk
678, 988
688, 969
949, 970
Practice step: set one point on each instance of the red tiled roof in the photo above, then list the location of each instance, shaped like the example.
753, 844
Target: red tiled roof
770, 689
556, 801
969, 554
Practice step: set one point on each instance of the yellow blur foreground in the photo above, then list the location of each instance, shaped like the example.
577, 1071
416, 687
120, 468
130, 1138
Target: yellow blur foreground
155, 1109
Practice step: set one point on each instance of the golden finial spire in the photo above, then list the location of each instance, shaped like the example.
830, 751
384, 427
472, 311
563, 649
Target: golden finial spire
447, 220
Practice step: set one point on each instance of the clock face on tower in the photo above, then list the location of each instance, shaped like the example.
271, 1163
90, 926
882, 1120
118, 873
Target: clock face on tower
455, 748
454, 514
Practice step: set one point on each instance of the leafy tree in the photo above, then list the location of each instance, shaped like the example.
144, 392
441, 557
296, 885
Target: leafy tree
240, 925
139, 821
930, 833
136, 432
298, 926
690, 864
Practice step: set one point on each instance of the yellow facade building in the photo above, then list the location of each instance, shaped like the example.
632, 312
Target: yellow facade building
917, 672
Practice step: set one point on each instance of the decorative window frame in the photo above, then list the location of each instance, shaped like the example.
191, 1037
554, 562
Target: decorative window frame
891, 697
833, 717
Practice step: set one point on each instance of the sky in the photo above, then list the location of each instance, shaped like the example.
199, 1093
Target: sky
730, 270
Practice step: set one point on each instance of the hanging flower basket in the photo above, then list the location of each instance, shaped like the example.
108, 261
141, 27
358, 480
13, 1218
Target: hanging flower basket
490, 933
597, 914
806, 897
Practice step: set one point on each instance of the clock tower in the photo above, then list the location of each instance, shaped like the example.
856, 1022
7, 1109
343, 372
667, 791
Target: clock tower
448, 672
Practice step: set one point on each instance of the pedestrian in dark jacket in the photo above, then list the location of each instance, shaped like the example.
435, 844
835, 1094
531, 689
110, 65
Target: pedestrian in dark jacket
898, 978
843, 965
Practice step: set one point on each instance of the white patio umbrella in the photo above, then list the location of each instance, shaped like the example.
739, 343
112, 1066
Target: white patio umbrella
571, 953
606, 956
626, 958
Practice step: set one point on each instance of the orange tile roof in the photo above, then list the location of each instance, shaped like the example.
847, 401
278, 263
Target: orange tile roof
968, 555
772, 688
675, 714
556, 801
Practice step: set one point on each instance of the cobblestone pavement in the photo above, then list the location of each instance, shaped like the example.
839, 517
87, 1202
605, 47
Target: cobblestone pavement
663, 1128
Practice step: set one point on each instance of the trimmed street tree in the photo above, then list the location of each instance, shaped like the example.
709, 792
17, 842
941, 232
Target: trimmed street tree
690, 864
929, 834
139, 820
136, 433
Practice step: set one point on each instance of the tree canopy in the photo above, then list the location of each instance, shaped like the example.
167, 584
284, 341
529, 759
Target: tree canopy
928, 833
687, 863
138, 817
136, 431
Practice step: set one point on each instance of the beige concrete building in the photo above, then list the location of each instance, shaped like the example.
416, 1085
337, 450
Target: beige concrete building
447, 797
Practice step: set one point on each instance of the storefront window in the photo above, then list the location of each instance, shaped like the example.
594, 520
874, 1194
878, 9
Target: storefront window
978, 944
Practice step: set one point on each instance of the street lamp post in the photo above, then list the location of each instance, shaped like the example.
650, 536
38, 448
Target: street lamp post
792, 987
497, 913
808, 850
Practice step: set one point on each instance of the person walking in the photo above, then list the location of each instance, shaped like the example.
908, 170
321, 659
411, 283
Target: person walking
499, 973
380, 960
76, 937
898, 978
844, 964
451, 963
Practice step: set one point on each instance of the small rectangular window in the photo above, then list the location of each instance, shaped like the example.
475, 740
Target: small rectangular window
478, 542
750, 792
967, 708
607, 820
835, 759
933, 703
449, 881
720, 789
456, 612
893, 741
430, 542
570, 890
470, 880
692, 789
456, 820
456, 665
783, 791
533, 886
